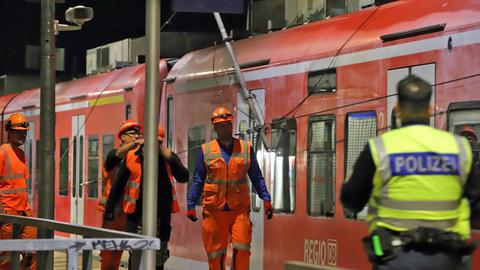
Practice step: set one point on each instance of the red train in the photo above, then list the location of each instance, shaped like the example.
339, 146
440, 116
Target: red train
322, 90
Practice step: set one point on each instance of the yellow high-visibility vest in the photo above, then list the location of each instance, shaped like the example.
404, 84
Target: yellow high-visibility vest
419, 179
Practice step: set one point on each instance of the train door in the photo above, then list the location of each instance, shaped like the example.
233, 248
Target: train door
29, 155
77, 172
244, 122
426, 72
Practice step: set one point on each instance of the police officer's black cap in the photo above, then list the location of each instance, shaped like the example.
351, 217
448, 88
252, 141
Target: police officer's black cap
414, 90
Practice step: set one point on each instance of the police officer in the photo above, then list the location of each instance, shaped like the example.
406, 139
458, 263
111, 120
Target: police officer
414, 179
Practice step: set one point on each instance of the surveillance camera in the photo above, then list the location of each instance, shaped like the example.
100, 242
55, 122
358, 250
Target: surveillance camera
79, 15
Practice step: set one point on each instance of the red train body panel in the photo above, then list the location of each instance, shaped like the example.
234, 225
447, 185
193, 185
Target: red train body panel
364, 67
286, 69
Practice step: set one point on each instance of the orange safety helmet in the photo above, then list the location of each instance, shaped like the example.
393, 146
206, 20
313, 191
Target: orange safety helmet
17, 121
468, 131
127, 125
221, 114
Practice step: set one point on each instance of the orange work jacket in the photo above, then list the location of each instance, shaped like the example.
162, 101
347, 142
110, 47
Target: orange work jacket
13, 179
132, 190
226, 184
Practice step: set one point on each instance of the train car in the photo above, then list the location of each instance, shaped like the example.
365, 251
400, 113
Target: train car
89, 112
323, 89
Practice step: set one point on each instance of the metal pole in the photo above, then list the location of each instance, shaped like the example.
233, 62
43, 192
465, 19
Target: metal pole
47, 125
150, 161
243, 86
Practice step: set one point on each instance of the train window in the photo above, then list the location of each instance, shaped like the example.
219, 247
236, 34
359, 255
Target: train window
322, 81
282, 160
92, 183
359, 127
170, 122
128, 111
106, 148
196, 137
63, 189
321, 166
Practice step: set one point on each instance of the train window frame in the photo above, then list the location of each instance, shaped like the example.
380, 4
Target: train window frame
63, 160
105, 151
314, 77
92, 170
283, 131
330, 213
81, 168
193, 152
348, 168
74, 166
170, 121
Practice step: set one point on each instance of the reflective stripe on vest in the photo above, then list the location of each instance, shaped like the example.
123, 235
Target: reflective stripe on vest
13, 191
214, 254
132, 188
241, 246
423, 166
226, 184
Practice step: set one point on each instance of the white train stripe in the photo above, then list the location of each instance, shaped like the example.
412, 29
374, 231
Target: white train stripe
58, 108
409, 48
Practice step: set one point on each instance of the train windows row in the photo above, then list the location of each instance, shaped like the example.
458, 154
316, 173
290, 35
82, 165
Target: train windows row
321, 157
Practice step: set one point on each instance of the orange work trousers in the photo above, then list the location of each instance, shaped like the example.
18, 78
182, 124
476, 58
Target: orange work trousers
111, 258
216, 228
27, 232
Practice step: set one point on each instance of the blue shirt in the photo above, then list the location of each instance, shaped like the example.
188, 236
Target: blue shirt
200, 175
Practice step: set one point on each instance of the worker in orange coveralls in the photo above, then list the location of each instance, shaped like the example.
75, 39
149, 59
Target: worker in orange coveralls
221, 175
13, 189
131, 137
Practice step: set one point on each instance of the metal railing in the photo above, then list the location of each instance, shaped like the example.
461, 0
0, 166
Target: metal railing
94, 239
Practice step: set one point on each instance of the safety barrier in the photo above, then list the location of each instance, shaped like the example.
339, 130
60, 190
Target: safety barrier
94, 239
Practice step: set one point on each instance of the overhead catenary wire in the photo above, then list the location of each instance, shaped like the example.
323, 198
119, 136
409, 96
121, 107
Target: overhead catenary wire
356, 104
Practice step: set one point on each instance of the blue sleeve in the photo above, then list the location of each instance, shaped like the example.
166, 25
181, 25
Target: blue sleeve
256, 177
198, 181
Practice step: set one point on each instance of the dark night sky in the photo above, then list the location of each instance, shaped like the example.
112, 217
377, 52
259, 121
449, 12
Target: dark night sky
114, 20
